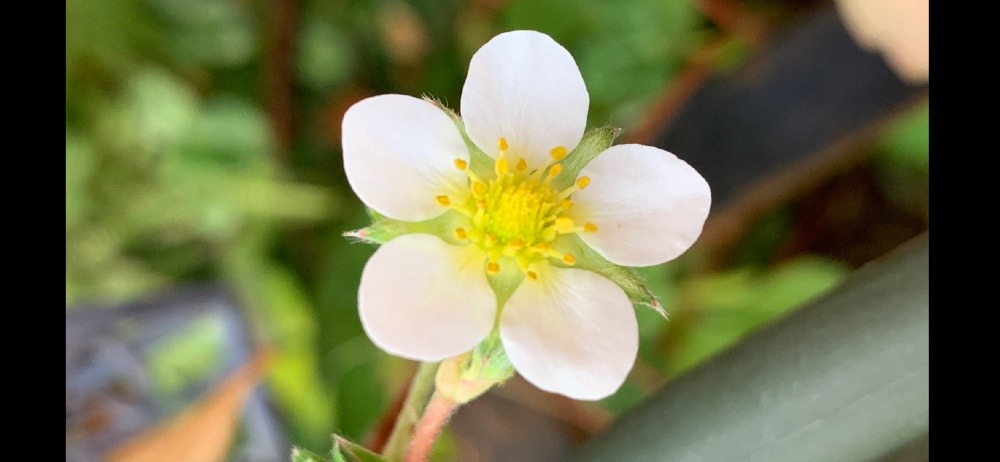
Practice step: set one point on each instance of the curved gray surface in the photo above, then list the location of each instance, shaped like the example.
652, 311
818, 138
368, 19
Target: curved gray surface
844, 378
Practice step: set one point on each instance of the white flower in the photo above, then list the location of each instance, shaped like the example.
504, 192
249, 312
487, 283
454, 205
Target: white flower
428, 297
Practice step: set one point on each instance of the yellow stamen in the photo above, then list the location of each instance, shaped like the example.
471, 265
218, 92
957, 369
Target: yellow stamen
564, 225
555, 170
590, 228
478, 189
461, 164
522, 164
569, 260
443, 200
502, 144
461, 234
501, 167
566, 204
493, 267
532, 276
559, 153
582, 182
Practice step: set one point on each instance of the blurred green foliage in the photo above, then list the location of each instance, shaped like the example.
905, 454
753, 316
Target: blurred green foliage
174, 174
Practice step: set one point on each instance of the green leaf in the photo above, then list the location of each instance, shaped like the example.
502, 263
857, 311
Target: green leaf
626, 278
479, 162
302, 455
907, 141
355, 452
336, 454
593, 143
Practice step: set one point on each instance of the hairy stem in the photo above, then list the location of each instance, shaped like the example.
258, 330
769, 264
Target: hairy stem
420, 392
435, 417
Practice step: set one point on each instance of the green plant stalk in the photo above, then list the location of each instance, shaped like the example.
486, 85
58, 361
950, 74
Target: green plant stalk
416, 399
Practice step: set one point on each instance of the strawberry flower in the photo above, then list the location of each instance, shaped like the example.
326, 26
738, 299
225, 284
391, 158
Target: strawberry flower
501, 224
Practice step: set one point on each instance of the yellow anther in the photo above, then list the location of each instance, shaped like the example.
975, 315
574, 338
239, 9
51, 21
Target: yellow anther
443, 200
569, 260
522, 164
461, 164
478, 189
541, 247
502, 144
532, 276
566, 203
559, 153
502, 168
493, 267
549, 233
590, 228
582, 182
564, 225
516, 243
461, 234
555, 170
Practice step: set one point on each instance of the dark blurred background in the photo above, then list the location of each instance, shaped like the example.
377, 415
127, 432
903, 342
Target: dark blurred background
205, 195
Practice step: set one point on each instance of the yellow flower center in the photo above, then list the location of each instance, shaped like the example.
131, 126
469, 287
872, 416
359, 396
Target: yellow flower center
517, 213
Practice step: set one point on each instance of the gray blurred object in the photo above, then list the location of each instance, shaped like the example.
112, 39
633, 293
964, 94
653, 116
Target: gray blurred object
110, 395
845, 378
805, 91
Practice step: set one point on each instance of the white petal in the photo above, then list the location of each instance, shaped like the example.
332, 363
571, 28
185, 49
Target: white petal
399, 154
571, 332
526, 88
648, 205
423, 299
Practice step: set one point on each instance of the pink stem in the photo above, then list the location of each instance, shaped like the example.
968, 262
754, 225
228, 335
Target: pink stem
435, 417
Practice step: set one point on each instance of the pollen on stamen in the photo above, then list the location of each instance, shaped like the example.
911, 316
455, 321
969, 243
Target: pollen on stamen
502, 144
569, 259
522, 164
502, 167
461, 164
582, 182
564, 225
493, 268
559, 153
566, 204
443, 200
533, 276
478, 189
590, 228
555, 170
461, 234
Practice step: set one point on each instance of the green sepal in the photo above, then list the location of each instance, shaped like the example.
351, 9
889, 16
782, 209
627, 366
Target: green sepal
354, 452
504, 283
479, 162
588, 259
383, 229
593, 143
489, 360
465, 377
302, 455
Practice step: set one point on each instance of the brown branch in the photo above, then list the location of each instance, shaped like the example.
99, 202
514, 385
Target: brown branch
278, 74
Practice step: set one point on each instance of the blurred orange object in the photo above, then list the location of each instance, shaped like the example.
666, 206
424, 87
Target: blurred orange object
899, 29
204, 431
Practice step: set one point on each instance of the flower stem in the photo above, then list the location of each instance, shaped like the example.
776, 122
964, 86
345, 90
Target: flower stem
420, 392
435, 417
